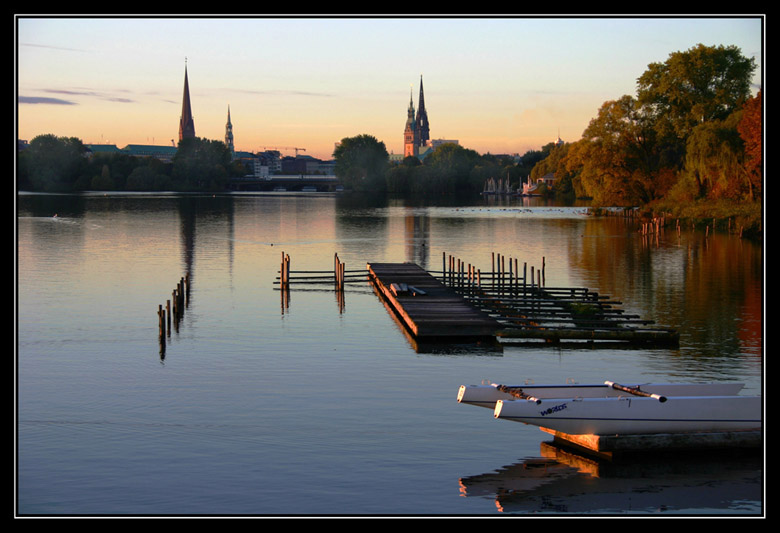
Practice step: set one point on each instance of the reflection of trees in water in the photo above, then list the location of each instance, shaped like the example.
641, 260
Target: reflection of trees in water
692, 283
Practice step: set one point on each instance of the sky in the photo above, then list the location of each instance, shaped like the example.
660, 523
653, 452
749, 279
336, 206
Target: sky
501, 84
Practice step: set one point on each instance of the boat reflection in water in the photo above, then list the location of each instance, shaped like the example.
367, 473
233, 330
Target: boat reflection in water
563, 481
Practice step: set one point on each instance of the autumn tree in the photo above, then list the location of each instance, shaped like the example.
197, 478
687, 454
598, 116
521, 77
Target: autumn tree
679, 134
750, 128
619, 158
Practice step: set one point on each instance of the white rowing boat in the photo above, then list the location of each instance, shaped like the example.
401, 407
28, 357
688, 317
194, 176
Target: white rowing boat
610, 408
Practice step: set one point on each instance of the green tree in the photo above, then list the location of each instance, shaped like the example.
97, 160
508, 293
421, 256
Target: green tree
147, 178
361, 163
701, 84
51, 164
714, 159
619, 156
532, 157
107, 171
451, 166
200, 165
103, 181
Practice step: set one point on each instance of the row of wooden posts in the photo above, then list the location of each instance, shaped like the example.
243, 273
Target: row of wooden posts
174, 308
504, 275
339, 275
654, 227
523, 302
656, 224
531, 310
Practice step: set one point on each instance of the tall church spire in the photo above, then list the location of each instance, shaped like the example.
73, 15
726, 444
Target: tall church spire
410, 131
186, 123
229, 134
423, 127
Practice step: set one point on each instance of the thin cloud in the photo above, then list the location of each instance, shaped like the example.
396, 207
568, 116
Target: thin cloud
44, 100
33, 45
282, 92
59, 101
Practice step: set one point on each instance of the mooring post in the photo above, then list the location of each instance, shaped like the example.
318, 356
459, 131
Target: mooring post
493, 271
525, 267
161, 320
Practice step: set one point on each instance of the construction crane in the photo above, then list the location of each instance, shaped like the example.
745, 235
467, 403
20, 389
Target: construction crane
284, 148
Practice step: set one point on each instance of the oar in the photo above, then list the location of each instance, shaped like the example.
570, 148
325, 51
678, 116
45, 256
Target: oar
518, 393
635, 391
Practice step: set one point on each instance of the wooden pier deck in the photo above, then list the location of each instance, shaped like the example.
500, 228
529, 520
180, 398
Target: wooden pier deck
457, 306
427, 307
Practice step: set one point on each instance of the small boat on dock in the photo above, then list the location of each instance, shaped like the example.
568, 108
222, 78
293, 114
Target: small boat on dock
614, 409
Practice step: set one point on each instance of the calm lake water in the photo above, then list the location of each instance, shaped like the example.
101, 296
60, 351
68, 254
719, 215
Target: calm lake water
313, 405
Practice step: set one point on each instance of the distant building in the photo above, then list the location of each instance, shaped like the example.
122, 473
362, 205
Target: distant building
423, 128
271, 159
308, 165
186, 122
229, 135
438, 142
417, 133
410, 131
163, 153
95, 149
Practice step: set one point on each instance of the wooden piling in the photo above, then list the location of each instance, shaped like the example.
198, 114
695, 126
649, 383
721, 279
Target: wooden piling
284, 271
530, 310
161, 320
339, 272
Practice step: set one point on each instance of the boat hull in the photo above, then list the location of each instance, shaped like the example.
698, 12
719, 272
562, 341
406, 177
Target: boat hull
627, 415
488, 395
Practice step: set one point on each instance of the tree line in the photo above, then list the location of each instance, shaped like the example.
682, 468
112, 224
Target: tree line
58, 164
691, 133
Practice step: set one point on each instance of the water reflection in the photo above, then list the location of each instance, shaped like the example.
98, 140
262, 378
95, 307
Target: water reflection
89, 281
418, 236
562, 481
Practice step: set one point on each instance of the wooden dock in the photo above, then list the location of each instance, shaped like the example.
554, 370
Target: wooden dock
528, 310
461, 302
617, 446
427, 307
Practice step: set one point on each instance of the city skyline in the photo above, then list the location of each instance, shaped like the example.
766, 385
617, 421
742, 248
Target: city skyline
498, 85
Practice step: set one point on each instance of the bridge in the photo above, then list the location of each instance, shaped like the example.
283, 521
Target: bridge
286, 182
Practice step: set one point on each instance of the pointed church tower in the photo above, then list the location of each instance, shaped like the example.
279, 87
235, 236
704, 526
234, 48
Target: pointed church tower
410, 131
423, 128
229, 135
186, 123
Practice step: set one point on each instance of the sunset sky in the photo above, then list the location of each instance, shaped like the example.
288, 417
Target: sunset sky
498, 85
